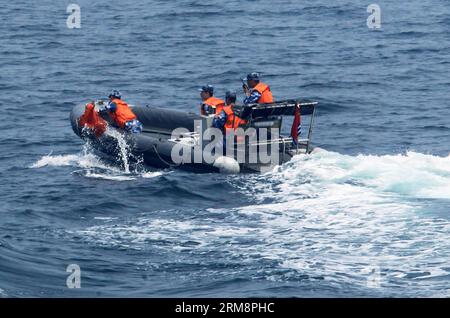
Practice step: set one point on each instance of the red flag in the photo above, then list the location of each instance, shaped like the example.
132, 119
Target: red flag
296, 125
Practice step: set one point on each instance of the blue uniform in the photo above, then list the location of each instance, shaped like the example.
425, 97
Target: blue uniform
220, 120
253, 98
134, 126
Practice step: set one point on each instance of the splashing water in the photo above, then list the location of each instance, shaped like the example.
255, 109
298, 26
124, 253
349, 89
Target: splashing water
94, 167
85, 159
123, 146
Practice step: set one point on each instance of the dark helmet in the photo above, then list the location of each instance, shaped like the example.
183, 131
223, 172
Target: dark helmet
207, 88
252, 76
230, 96
115, 94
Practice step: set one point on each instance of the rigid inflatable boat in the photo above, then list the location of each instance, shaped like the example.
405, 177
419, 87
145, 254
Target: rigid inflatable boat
172, 138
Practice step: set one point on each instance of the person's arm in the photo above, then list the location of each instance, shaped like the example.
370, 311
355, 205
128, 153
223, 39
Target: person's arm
220, 120
253, 98
207, 109
109, 107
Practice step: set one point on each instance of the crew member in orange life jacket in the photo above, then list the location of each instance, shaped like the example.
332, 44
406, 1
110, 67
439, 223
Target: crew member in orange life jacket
210, 104
256, 91
121, 113
227, 119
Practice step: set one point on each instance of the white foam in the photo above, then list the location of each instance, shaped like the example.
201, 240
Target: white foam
410, 175
93, 167
108, 176
350, 219
105, 218
350, 213
56, 161
154, 174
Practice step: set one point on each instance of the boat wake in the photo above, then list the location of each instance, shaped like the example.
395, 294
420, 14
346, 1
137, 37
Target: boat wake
360, 221
410, 175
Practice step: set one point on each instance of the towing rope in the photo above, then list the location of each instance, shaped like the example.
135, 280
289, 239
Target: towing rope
160, 158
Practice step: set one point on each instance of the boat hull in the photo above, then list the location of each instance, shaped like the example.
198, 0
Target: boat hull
155, 145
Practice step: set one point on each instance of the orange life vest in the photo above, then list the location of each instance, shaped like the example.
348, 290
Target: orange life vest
266, 94
92, 120
215, 103
233, 121
122, 114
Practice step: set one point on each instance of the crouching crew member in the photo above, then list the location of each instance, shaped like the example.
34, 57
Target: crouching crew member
121, 113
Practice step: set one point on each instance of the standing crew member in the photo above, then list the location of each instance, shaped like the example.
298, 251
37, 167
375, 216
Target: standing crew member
256, 91
210, 104
121, 113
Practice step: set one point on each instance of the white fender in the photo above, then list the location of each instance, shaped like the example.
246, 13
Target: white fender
227, 165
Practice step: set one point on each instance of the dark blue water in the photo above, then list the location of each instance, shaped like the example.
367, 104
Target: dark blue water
368, 216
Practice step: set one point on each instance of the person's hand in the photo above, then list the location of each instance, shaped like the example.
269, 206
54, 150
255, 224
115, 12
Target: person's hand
103, 109
245, 89
203, 109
